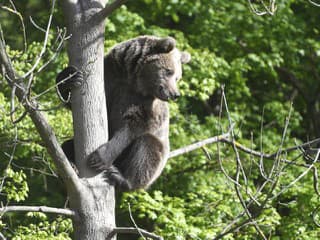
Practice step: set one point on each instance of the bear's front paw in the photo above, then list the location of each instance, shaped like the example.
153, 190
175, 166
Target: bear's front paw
95, 161
68, 79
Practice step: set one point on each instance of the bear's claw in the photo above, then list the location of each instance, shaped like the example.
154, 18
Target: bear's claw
94, 162
68, 79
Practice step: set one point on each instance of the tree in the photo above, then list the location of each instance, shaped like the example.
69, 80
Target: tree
91, 199
193, 199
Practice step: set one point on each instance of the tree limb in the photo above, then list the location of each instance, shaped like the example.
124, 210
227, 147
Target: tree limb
64, 168
133, 230
197, 145
225, 138
314, 3
108, 9
2, 237
270, 155
44, 209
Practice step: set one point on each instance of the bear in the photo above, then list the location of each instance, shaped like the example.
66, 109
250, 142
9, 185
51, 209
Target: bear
141, 76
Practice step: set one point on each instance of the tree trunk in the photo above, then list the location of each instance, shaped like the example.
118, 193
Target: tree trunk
95, 202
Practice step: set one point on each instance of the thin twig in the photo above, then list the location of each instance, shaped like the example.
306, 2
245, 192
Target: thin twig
299, 177
14, 11
233, 137
11, 156
315, 180
314, 216
2, 237
132, 230
42, 172
46, 132
36, 25
45, 42
134, 222
63, 37
240, 169
218, 145
314, 3
272, 155
233, 229
270, 9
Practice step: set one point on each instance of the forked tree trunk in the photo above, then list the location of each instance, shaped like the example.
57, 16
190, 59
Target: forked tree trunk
95, 202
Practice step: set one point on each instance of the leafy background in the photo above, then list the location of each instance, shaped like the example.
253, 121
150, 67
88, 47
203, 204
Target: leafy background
230, 47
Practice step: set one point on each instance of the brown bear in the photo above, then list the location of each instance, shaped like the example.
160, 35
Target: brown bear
141, 76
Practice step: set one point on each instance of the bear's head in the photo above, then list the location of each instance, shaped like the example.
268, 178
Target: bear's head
160, 72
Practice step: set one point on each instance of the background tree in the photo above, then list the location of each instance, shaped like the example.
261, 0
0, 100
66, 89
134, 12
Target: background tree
264, 62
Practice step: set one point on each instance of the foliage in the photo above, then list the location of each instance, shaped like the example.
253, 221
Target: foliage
41, 228
230, 47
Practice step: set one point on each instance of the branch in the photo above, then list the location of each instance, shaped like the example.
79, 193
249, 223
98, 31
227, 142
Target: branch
14, 11
271, 9
197, 145
134, 223
2, 237
314, 3
44, 209
240, 170
108, 9
133, 230
271, 155
225, 138
64, 168
45, 42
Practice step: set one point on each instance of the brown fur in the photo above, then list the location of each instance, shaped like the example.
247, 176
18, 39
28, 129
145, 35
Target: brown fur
140, 77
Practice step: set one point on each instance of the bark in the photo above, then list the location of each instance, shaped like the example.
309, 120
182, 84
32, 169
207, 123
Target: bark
95, 202
92, 199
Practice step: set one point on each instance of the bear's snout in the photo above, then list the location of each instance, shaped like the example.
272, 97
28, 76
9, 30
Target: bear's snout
175, 95
166, 94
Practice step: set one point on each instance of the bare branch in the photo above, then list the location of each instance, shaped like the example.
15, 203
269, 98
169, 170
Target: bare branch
314, 3
46, 132
134, 222
109, 8
315, 180
2, 237
133, 230
225, 138
10, 157
14, 11
197, 145
270, 155
240, 170
36, 25
43, 209
45, 42
315, 214
62, 35
267, 9
299, 177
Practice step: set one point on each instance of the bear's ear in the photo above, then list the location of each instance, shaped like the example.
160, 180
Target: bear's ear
165, 45
185, 57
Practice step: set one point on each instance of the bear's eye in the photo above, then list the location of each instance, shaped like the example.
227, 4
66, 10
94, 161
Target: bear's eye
169, 72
